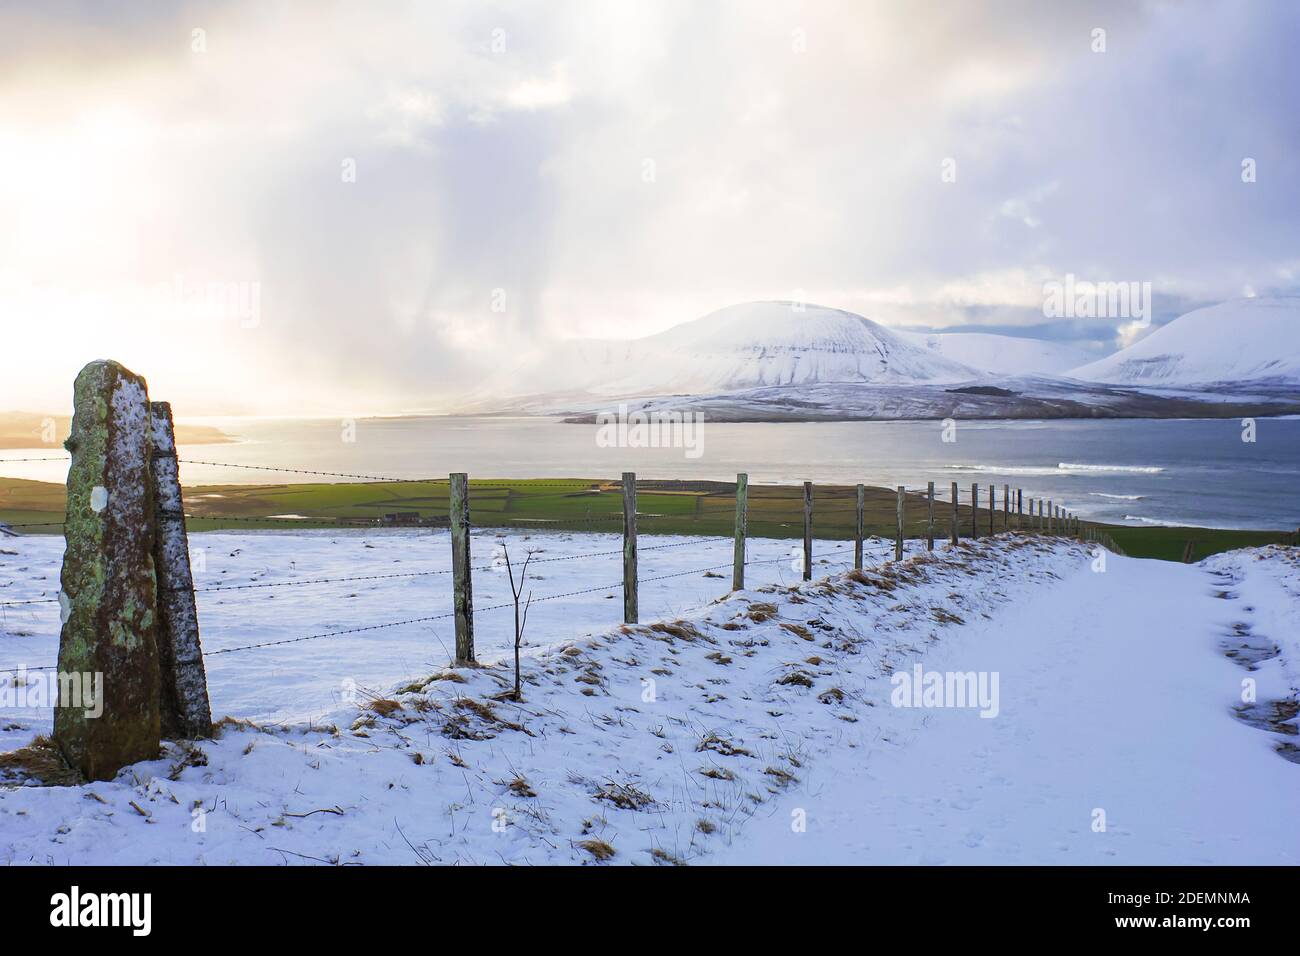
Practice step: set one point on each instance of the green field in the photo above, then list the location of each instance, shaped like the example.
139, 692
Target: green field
1169, 544
663, 507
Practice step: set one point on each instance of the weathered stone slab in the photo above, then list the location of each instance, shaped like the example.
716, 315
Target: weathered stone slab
183, 689
108, 596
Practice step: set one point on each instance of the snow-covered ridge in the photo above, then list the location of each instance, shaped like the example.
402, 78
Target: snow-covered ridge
755, 345
1000, 354
1242, 341
786, 361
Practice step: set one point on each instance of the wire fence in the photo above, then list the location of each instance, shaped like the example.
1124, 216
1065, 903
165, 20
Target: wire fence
694, 508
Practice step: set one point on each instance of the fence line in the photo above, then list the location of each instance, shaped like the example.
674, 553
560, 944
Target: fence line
1049, 517
448, 614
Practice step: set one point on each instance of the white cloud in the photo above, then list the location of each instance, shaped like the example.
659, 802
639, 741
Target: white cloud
522, 165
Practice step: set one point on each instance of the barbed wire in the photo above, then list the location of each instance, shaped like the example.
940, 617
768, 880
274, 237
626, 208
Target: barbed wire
447, 614
383, 479
373, 577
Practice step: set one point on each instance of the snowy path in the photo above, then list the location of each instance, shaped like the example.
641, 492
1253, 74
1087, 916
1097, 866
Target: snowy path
1114, 695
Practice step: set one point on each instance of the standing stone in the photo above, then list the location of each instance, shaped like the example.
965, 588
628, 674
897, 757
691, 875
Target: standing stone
183, 691
108, 596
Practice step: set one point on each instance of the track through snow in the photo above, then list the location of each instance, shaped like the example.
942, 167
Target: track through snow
1114, 697
706, 737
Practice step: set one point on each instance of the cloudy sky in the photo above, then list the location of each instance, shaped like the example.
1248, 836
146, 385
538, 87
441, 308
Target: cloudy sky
272, 207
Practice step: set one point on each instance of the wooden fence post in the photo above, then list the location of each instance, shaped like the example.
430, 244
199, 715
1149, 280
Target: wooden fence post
954, 532
1006, 507
1050, 510
993, 505
858, 527
929, 517
974, 510
629, 548
807, 530
742, 518
898, 535
1020, 508
184, 709
462, 580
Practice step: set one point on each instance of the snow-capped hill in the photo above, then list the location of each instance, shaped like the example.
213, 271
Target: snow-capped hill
1000, 354
777, 361
762, 344
755, 345
1244, 340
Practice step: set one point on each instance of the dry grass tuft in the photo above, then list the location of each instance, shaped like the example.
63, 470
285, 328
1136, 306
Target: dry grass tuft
798, 678
624, 796
664, 858
717, 773
684, 630
416, 686
601, 850
478, 708
40, 761
783, 777
721, 745
944, 616
761, 611
189, 756
237, 723
384, 706
520, 787
798, 630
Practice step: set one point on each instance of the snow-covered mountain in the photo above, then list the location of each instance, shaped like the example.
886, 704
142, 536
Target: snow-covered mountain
775, 361
1000, 354
1242, 342
754, 345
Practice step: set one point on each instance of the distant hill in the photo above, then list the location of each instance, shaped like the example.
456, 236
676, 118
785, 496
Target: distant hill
1240, 342
755, 345
31, 429
775, 361
1000, 354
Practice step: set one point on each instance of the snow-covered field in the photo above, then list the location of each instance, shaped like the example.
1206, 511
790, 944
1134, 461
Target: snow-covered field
404, 575
762, 727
